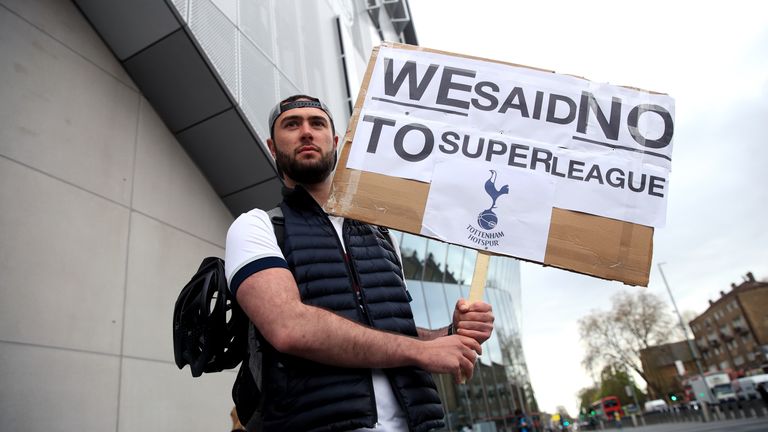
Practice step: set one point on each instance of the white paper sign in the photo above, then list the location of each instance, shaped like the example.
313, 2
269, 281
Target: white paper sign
606, 149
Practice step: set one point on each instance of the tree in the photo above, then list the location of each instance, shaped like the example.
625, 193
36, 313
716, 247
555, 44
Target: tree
587, 396
677, 332
613, 382
615, 337
563, 412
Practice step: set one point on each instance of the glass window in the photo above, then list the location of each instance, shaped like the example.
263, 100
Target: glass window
435, 261
413, 250
468, 266
492, 350
436, 310
453, 266
501, 301
452, 294
418, 305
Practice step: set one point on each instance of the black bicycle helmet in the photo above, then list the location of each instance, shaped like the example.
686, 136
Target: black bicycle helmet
210, 331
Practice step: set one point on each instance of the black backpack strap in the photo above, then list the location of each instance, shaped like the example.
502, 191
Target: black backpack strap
278, 223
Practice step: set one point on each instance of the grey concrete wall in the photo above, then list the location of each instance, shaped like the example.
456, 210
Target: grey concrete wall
103, 217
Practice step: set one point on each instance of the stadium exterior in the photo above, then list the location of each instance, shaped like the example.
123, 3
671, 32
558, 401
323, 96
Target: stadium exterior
131, 134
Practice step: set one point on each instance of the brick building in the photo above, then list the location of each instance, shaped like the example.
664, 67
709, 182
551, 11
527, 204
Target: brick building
660, 370
732, 334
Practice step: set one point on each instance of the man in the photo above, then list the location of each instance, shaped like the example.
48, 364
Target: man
341, 350
521, 421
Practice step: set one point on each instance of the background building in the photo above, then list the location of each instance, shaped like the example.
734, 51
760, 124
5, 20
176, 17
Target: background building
732, 334
130, 134
438, 274
659, 366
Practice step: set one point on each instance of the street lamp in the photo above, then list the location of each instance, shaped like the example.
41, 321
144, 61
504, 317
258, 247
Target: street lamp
679, 317
685, 334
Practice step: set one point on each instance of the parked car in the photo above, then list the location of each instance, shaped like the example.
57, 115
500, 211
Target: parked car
656, 405
746, 387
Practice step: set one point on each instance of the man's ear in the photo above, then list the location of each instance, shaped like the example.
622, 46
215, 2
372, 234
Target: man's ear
271, 146
335, 142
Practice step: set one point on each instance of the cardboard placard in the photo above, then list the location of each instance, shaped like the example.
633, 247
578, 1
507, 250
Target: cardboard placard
600, 246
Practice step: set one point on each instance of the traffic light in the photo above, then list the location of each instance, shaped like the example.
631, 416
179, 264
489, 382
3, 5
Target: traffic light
672, 397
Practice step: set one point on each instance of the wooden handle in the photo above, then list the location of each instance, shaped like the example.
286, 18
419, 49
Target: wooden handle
477, 289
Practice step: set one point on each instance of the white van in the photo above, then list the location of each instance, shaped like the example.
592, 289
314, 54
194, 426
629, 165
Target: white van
656, 405
746, 388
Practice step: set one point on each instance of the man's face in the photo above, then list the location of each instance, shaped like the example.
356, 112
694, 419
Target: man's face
303, 145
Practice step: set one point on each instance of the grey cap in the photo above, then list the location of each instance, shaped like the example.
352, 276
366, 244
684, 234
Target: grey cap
293, 102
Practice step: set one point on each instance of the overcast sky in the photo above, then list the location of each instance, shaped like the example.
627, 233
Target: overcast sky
712, 57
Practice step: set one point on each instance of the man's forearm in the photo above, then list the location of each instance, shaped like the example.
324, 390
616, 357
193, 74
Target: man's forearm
322, 336
271, 300
331, 339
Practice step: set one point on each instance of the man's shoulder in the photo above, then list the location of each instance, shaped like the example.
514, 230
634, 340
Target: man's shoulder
256, 218
252, 216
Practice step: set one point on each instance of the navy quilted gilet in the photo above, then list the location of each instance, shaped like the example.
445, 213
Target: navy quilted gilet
365, 286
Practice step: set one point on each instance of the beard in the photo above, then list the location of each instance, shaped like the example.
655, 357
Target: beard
305, 172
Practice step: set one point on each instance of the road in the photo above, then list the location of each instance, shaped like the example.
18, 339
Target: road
759, 424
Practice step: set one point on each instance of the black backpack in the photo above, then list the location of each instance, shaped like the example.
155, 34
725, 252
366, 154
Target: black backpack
211, 332
207, 324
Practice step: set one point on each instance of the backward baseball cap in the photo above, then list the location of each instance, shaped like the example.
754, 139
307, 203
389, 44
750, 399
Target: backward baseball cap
297, 101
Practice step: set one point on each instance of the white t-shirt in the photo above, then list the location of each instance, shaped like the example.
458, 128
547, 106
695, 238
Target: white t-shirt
252, 247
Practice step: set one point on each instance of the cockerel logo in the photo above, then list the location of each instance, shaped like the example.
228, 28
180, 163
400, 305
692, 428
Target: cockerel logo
487, 219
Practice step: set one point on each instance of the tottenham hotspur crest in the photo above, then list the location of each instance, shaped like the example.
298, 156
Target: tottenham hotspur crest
487, 219
485, 235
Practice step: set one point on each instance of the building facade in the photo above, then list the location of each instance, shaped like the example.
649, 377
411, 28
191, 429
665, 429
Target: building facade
732, 334
661, 370
438, 275
131, 134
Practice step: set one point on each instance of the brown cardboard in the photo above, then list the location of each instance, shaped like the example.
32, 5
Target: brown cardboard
579, 242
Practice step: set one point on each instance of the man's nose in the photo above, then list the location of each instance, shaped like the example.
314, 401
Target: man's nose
305, 128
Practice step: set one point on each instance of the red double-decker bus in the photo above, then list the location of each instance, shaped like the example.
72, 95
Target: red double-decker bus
606, 407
